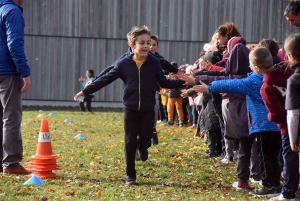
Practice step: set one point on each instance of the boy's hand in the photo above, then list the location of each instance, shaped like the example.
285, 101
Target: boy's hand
201, 88
81, 79
180, 72
184, 93
77, 95
189, 80
294, 147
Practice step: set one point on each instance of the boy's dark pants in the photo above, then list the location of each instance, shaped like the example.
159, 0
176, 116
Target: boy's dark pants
243, 165
136, 123
290, 168
88, 100
269, 145
214, 142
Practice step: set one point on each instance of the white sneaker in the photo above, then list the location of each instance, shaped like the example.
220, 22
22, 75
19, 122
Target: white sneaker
255, 181
281, 198
226, 160
234, 185
159, 121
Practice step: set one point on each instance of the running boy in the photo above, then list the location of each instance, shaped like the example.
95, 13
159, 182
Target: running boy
140, 73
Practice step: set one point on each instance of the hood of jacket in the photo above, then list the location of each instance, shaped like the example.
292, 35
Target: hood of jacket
238, 61
233, 41
279, 75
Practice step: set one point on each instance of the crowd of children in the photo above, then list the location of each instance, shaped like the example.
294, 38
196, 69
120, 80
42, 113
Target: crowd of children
244, 98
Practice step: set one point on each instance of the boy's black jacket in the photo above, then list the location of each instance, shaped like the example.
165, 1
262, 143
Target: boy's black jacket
164, 63
139, 84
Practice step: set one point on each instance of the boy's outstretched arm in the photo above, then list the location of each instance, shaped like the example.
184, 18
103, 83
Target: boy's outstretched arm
100, 82
235, 86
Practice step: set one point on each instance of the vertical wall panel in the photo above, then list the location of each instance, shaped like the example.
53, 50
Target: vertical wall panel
64, 38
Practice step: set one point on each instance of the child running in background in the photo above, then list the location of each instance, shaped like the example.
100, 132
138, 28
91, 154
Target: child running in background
266, 132
88, 99
140, 73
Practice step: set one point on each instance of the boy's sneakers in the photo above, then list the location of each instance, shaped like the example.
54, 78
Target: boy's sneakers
241, 186
210, 155
130, 181
227, 160
169, 123
180, 124
220, 157
281, 198
265, 192
143, 154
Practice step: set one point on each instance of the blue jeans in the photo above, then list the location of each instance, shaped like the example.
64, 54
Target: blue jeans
290, 168
194, 114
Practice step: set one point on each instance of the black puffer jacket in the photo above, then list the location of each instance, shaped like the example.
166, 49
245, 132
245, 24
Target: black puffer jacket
209, 119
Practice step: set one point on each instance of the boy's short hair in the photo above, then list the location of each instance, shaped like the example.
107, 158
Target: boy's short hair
261, 57
136, 32
271, 44
174, 63
293, 7
213, 56
154, 37
91, 71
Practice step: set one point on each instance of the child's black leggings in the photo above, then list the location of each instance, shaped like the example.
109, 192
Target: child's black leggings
136, 123
88, 100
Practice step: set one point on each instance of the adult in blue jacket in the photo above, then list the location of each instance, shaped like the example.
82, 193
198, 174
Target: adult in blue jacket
14, 79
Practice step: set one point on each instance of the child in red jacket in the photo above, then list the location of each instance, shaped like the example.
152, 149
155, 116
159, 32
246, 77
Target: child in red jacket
273, 93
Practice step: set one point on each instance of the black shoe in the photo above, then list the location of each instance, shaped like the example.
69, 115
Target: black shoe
154, 139
207, 151
278, 189
265, 192
130, 181
220, 156
143, 154
230, 159
210, 155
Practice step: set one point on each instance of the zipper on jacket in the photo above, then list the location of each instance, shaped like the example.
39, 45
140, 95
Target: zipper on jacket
139, 107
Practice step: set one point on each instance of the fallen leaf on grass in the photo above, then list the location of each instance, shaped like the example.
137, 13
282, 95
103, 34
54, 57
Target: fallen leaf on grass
99, 193
71, 192
168, 189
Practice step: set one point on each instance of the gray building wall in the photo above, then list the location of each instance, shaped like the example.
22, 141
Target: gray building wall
64, 38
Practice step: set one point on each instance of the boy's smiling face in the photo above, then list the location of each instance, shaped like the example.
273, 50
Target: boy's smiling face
141, 47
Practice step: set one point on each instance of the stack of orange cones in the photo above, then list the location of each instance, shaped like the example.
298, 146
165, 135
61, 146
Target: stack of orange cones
44, 161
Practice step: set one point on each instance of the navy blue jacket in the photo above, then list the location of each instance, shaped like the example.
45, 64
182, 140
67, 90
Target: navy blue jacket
139, 83
164, 63
13, 59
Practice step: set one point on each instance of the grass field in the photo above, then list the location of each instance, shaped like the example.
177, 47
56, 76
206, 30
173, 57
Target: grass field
93, 168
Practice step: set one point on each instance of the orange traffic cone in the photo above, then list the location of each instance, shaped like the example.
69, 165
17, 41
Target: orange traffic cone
44, 161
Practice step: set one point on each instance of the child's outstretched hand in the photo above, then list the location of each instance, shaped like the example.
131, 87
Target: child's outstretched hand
294, 147
78, 95
81, 79
183, 93
201, 88
189, 80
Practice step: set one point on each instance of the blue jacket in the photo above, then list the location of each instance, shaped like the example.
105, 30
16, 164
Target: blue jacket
13, 59
257, 111
85, 83
140, 84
